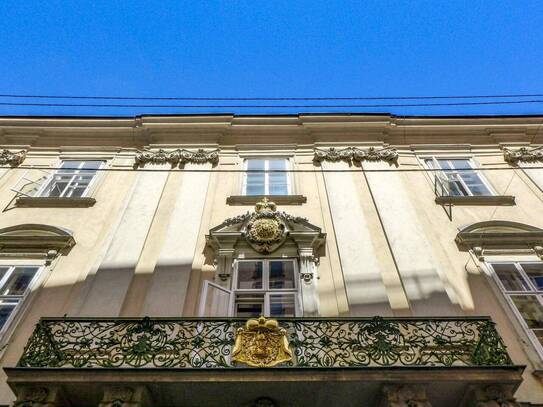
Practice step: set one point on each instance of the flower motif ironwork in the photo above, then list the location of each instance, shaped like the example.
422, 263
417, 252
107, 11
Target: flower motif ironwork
314, 342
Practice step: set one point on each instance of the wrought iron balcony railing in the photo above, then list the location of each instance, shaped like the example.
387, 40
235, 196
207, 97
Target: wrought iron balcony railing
315, 343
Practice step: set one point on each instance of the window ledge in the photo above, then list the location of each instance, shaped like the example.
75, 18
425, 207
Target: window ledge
504, 200
54, 202
278, 199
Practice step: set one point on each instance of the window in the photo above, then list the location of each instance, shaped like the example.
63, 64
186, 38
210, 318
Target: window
459, 177
72, 180
259, 287
265, 287
522, 284
266, 183
15, 282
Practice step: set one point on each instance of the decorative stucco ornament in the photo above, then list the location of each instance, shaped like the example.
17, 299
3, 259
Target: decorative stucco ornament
523, 154
10, 158
354, 154
261, 343
373, 154
177, 157
266, 230
333, 154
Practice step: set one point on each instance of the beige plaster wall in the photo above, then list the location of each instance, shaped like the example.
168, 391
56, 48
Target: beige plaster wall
384, 230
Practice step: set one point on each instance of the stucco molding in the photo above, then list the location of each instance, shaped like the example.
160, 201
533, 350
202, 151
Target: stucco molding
12, 158
45, 240
500, 234
523, 154
356, 155
265, 230
492, 200
176, 158
54, 202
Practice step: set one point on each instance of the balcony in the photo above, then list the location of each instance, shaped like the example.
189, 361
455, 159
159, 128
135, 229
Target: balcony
190, 361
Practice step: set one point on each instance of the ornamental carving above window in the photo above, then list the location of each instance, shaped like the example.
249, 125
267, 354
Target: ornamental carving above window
355, 154
176, 158
523, 154
10, 158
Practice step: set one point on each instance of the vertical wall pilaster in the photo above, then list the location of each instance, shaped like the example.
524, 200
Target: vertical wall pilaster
116, 270
308, 283
361, 272
172, 272
417, 265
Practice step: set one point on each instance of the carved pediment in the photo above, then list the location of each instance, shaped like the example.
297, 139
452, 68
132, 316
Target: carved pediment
265, 229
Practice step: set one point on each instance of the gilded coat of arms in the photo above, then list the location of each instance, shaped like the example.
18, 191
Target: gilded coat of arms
266, 230
261, 343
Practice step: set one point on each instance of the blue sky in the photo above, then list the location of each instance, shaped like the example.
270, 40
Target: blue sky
272, 49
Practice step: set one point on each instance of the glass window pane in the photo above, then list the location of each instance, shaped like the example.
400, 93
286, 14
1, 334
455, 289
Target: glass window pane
92, 165
255, 181
460, 164
249, 305
6, 308
18, 281
535, 274
530, 309
282, 305
249, 275
281, 275
510, 277
71, 164
217, 302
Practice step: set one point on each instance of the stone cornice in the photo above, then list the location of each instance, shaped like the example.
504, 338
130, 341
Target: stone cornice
523, 154
11, 158
354, 154
176, 158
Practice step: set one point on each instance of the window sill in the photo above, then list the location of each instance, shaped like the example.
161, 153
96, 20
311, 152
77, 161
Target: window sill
491, 200
278, 199
48, 202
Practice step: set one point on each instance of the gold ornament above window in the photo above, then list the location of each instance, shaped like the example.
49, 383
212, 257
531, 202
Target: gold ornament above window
261, 343
266, 230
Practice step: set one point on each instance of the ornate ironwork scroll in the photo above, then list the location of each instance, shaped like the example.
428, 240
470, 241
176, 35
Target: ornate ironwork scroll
315, 343
177, 157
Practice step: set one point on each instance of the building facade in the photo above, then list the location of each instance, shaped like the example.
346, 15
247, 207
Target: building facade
395, 261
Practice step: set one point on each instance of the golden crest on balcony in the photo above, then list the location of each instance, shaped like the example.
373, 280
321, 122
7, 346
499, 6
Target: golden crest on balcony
261, 343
